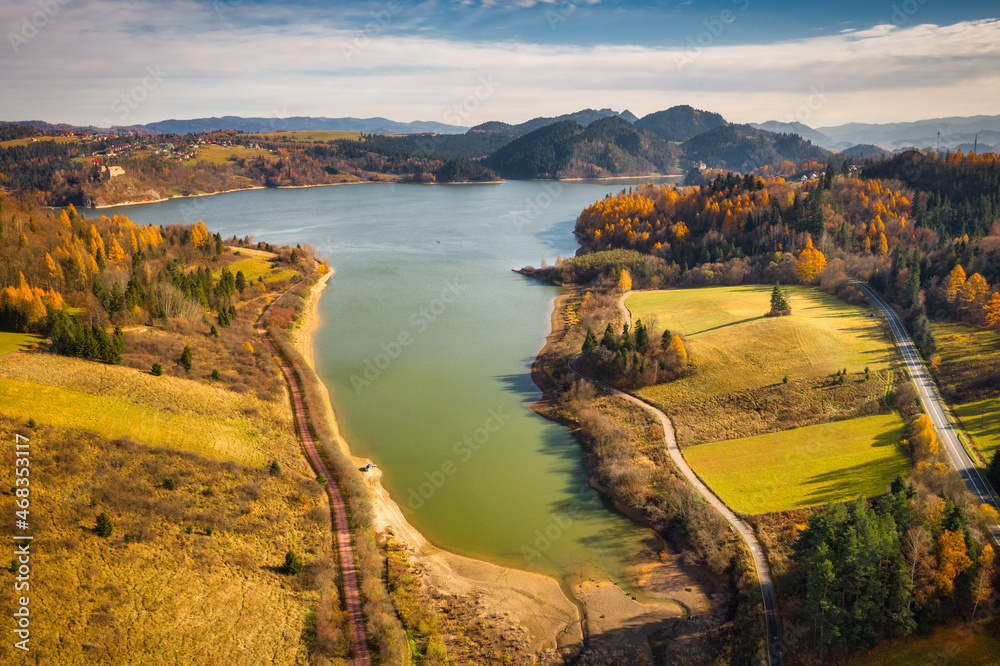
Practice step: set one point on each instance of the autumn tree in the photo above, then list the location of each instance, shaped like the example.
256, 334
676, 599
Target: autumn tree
924, 441
810, 262
972, 296
883, 245
625, 281
955, 281
953, 560
199, 234
116, 254
982, 585
677, 352
991, 311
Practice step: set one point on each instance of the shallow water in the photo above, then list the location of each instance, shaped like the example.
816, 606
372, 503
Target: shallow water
425, 344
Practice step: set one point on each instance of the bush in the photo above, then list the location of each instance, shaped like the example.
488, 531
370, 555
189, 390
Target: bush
104, 526
275, 468
321, 480
216, 375
157, 370
169, 484
187, 356
292, 565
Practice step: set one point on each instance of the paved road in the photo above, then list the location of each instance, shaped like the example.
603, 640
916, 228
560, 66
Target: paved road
771, 617
352, 597
957, 454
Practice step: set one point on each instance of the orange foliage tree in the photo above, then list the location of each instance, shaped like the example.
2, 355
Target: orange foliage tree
810, 262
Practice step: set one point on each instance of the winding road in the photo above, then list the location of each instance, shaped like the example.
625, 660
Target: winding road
772, 619
957, 454
352, 597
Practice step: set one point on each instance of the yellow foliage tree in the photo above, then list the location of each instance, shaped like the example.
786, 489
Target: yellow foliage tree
955, 282
53, 267
991, 311
624, 281
64, 220
972, 295
96, 242
133, 241
677, 349
116, 254
883, 245
953, 559
810, 262
923, 437
199, 234
984, 576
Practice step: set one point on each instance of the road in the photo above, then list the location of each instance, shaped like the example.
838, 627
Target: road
348, 569
957, 454
771, 618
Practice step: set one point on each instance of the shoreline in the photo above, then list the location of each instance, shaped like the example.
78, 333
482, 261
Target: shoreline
286, 187
524, 599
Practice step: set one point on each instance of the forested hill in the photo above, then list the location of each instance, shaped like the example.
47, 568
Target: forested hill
680, 123
607, 147
745, 148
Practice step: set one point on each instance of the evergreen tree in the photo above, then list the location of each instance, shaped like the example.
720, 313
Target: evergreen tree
241, 281
157, 370
626, 341
666, 338
292, 565
609, 341
187, 356
641, 336
104, 526
589, 342
779, 303
993, 471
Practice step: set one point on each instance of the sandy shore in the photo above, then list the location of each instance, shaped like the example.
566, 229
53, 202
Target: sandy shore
508, 596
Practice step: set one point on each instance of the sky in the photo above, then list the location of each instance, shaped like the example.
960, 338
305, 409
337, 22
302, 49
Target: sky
464, 62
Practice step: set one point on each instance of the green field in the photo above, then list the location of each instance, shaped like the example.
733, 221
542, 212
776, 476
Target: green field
211, 154
804, 467
308, 136
960, 644
255, 267
982, 420
31, 139
13, 342
735, 347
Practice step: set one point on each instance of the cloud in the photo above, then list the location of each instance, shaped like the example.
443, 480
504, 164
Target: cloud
265, 61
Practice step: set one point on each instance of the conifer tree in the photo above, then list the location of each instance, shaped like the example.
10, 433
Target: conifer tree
589, 342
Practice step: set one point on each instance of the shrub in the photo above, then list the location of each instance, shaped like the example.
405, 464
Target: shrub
189, 529
292, 565
32, 423
104, 526
216, 375
169, 484
157, 370
187, 356
321, 480
209, 530
275, 468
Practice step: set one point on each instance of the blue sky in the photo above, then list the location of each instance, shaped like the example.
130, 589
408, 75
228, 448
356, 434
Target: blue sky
468, 61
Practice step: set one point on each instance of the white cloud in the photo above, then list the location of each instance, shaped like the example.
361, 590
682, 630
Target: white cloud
250, 63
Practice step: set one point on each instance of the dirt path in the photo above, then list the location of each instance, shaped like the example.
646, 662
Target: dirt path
770, 598
348, 568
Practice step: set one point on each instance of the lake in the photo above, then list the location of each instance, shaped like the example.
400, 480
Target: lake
425, 344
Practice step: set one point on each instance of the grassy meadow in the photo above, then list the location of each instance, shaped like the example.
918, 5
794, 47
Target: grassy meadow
188, 575
970, 361
974, 644
741, 359
15, 342
804, 467
212, 154
982, 420
257, 266
312, 136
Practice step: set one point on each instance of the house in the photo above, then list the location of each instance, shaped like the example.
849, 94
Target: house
115, 171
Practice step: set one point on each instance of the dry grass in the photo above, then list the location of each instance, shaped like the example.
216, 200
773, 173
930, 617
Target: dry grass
794, 469
258, 266
162, 595
31, 139
165, 411
970, 361
968, 644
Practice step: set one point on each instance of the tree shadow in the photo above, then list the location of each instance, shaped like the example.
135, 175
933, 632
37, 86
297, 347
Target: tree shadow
732, 323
